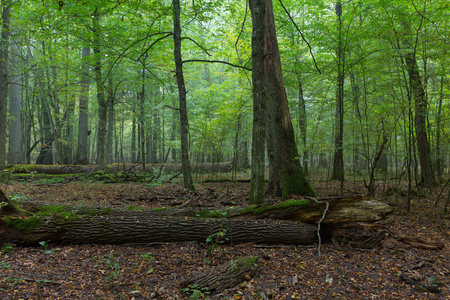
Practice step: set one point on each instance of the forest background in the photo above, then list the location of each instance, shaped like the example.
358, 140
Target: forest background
93, 82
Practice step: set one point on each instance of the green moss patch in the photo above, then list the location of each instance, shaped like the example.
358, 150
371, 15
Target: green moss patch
25, 225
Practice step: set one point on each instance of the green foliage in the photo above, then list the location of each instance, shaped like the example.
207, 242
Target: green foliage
45, 245
7, 248
113, 268
215, 240
195, 292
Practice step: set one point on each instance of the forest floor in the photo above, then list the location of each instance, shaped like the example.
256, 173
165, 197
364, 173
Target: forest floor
286, 272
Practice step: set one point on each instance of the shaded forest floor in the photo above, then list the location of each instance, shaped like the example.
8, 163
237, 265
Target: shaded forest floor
286, 272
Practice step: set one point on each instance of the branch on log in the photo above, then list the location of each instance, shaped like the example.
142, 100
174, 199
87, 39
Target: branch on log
223, 277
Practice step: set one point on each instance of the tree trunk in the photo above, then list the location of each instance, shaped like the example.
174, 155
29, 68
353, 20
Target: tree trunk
15, 153
4, 79
427, 178
116, 229
103, 225
286, 173
303, 124
133, 139
184, 123
102, 105
46, 153
110, 127
338, 162
142, 134
83, 118
439, 160
257, 187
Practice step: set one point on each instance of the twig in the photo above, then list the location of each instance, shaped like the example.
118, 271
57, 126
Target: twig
321, 219
303, 37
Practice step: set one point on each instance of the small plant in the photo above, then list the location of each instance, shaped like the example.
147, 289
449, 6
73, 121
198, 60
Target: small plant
113, 266
7, 248
45, 245
147, 257
195, 292
5, 266
215, 239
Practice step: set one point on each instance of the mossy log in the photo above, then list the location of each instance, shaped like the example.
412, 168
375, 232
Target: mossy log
291, 222
222, 277
116, 229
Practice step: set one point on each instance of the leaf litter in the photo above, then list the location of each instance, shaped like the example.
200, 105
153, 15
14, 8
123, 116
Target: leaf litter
154, 271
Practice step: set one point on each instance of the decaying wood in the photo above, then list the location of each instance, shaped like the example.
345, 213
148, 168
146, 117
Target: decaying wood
116, 229
291, 222
419, 286
222, 277
421, 243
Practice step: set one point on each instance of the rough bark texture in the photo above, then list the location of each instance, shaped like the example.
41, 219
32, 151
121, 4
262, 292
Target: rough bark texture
102, 105
223, 277
291, 222
15, 153
286, 173
83, 118
427, 177
4, 80
258, 184
338, 160
139, 228
302, 124
184, 123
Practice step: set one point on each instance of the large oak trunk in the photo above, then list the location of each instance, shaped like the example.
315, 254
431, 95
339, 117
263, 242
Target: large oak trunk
291, 222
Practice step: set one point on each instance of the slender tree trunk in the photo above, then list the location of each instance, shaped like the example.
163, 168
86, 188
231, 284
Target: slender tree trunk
133, 139
427, 177
28, 119
15, 153
4, 79
257, 187
142, 134
83, 117
287, 176
338, 162
439, 160
302, 122
184, 123
47, 138
102, 105
110, 127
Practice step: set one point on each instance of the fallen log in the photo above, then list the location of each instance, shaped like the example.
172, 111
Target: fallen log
222, 277
116, 229
261, 224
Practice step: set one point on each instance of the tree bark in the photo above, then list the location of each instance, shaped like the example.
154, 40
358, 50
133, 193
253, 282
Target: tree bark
286, 173
110, 127
116, 229
102, 105
427, 178
83, 117
15, 153
338, 161
4, 79
291, 222
258, 184
184, 123
222, 277
303, 124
